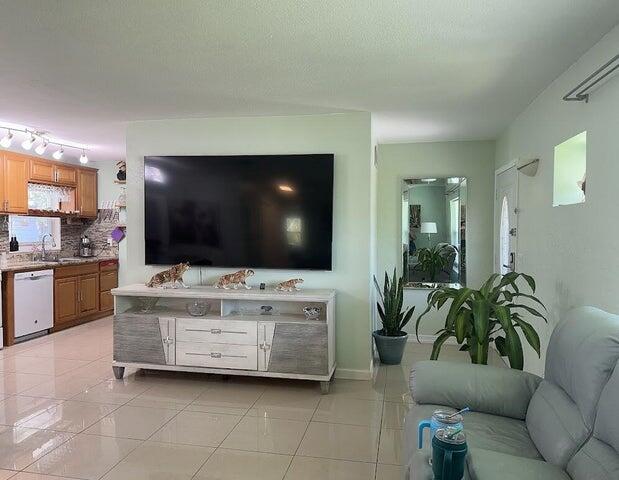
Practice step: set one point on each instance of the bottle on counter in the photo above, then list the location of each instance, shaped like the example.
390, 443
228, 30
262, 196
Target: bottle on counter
12, 247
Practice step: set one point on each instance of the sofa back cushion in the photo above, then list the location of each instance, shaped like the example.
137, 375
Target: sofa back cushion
583, 351
599, 458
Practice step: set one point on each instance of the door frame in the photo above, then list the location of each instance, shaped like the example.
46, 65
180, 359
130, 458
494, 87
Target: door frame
495, 240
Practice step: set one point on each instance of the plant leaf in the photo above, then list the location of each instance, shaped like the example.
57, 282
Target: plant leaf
460, 326
531, 310
481, 318
530, 334
438, 344
514, 349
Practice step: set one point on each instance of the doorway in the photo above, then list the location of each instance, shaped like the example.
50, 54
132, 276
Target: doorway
506, 220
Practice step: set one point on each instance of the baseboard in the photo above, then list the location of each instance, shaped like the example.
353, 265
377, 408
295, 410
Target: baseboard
351, 374
431, 339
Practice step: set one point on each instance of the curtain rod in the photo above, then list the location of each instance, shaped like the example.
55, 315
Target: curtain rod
580, 92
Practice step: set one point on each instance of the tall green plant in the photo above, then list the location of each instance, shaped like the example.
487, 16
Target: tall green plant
432, 261
491, 314
393, 317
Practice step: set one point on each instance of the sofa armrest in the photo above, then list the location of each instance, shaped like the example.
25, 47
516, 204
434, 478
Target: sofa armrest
498, 391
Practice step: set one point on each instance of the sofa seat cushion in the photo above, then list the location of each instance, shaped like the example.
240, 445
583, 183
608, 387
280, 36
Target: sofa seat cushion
488, 465
489, 432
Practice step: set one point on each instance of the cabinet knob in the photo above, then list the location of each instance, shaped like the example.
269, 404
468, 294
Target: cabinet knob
168, 340
215, 355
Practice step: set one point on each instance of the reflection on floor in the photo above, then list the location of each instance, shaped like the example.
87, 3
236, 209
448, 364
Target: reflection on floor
63, 415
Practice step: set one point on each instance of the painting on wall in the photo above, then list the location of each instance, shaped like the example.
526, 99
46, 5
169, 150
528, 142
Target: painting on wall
414, 216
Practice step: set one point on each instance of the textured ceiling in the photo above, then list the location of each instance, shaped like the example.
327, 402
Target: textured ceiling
426, 69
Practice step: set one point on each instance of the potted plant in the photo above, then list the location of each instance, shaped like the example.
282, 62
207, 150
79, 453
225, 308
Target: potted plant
476, 318
433, 261
391, 339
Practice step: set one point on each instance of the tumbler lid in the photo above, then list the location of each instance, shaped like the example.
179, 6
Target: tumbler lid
451, 435
447, 418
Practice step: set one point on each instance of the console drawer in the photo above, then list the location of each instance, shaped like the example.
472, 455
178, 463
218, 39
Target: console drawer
217, 355
216, 331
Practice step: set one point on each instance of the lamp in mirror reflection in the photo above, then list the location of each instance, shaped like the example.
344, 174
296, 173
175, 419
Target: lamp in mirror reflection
285, 188
153, 174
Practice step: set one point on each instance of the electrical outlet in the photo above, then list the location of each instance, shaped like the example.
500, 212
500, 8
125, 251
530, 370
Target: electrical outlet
110, 241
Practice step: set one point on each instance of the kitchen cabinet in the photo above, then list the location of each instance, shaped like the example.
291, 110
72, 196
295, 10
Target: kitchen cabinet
41, 170
87, 192
65, 175
66, 300
88, 294
46, 171
82, 293
14, 170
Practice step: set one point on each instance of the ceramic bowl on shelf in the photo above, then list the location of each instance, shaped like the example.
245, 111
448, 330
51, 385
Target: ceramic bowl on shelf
198, 308
312, 313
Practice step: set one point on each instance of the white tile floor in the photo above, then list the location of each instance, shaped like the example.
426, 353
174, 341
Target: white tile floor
63, 415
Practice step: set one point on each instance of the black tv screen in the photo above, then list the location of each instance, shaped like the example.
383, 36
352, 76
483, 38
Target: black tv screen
245, 211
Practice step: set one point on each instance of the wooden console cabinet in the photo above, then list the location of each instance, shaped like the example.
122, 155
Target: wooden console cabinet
246, 332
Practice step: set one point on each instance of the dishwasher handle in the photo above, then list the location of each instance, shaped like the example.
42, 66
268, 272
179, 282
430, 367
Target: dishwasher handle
36, 275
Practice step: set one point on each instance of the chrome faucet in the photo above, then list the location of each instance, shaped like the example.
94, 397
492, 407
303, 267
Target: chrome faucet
43, 251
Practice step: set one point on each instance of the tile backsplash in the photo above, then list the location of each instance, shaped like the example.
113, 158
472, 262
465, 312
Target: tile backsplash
71, 230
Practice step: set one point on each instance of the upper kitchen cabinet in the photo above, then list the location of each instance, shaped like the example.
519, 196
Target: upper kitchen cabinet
14, 169
45, 171
87, 192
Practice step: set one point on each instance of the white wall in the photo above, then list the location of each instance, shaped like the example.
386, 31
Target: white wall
474, 160
570, 250
348, 136
108, 191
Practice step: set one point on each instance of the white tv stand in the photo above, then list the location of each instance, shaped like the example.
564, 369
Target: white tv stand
237, 337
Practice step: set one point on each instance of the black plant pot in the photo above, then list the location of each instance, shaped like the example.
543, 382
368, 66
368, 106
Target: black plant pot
390, 349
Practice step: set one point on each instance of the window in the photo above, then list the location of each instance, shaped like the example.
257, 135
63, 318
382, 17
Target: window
570, 171
30, 230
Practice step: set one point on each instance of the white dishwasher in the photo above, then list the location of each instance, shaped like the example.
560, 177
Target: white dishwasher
34, 302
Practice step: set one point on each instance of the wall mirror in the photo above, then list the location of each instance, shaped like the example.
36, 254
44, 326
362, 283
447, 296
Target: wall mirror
434, 231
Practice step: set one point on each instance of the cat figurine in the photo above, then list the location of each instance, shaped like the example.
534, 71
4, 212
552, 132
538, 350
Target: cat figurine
289, 285
234, 280
170, 278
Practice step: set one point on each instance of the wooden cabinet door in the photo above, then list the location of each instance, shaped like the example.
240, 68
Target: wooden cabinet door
87, 193
15, 183
106, 301
89, 293
65, 175
41, 170
108, 280
66, 300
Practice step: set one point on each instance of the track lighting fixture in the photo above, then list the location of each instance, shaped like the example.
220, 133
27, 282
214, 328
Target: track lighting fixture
40, 149
28, 143
7, 140
38, 135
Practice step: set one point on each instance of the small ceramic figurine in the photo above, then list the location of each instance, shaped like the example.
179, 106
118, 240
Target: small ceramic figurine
172, 277
289, 285
234, 280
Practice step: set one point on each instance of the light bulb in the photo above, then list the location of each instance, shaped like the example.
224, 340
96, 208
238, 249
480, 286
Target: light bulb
40, 149
28, 143
83, 157
7, 140
58, 153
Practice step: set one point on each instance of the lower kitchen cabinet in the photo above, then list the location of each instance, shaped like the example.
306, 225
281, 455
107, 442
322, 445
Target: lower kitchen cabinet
89, 293
66, 294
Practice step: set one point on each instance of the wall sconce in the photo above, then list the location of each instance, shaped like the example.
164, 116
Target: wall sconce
528, 166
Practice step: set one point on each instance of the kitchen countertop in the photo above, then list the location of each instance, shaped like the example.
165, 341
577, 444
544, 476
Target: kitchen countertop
42, 265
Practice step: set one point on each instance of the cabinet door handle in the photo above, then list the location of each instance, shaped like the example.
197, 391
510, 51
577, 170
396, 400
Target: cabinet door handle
215, 355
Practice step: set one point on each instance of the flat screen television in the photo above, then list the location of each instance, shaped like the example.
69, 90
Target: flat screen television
245, 211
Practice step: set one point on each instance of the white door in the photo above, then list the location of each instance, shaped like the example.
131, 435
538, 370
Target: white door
506, 221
